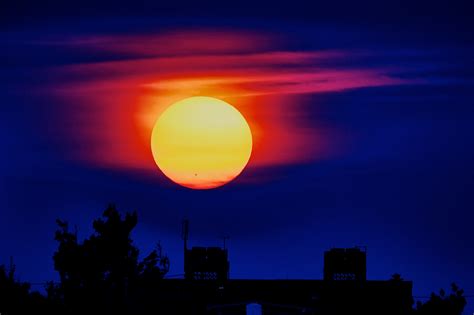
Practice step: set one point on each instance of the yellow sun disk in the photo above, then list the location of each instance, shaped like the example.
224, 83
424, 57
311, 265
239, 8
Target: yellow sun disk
201, 142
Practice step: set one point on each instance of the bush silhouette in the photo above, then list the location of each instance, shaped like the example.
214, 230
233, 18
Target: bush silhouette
15, 296
442, 304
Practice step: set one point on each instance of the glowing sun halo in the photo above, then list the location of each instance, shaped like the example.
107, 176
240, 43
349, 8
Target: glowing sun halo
201, 142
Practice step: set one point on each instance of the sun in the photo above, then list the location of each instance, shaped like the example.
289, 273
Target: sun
201, 142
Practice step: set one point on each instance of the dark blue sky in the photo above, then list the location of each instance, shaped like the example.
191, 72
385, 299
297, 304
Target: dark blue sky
401, 184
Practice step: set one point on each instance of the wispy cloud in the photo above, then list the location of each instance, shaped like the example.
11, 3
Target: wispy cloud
113, 104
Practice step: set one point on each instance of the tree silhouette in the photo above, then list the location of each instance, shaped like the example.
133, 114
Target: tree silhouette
443, 305
103, 272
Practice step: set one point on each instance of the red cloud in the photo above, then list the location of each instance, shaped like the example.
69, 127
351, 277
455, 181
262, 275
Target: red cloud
114, 104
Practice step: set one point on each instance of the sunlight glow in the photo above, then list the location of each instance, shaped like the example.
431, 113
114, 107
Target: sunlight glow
201, 142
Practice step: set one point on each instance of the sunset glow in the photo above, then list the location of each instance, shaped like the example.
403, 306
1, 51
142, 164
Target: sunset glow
267, 84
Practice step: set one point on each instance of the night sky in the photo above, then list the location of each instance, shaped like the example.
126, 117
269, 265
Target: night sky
363, 117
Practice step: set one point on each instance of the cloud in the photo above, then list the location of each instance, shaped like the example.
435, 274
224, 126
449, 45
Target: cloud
110, 106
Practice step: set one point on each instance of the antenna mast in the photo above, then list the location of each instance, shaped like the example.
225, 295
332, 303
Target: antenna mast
185, 233
225, 238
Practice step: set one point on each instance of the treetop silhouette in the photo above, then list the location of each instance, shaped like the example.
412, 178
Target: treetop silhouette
103, 270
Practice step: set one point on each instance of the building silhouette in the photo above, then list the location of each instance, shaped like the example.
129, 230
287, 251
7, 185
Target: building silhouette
345, 264
204, 263
207, 288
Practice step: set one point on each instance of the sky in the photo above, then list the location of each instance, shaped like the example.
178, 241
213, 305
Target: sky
362, 117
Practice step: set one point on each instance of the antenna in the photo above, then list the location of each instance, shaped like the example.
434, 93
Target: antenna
184, 236
225, 238
185, 233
